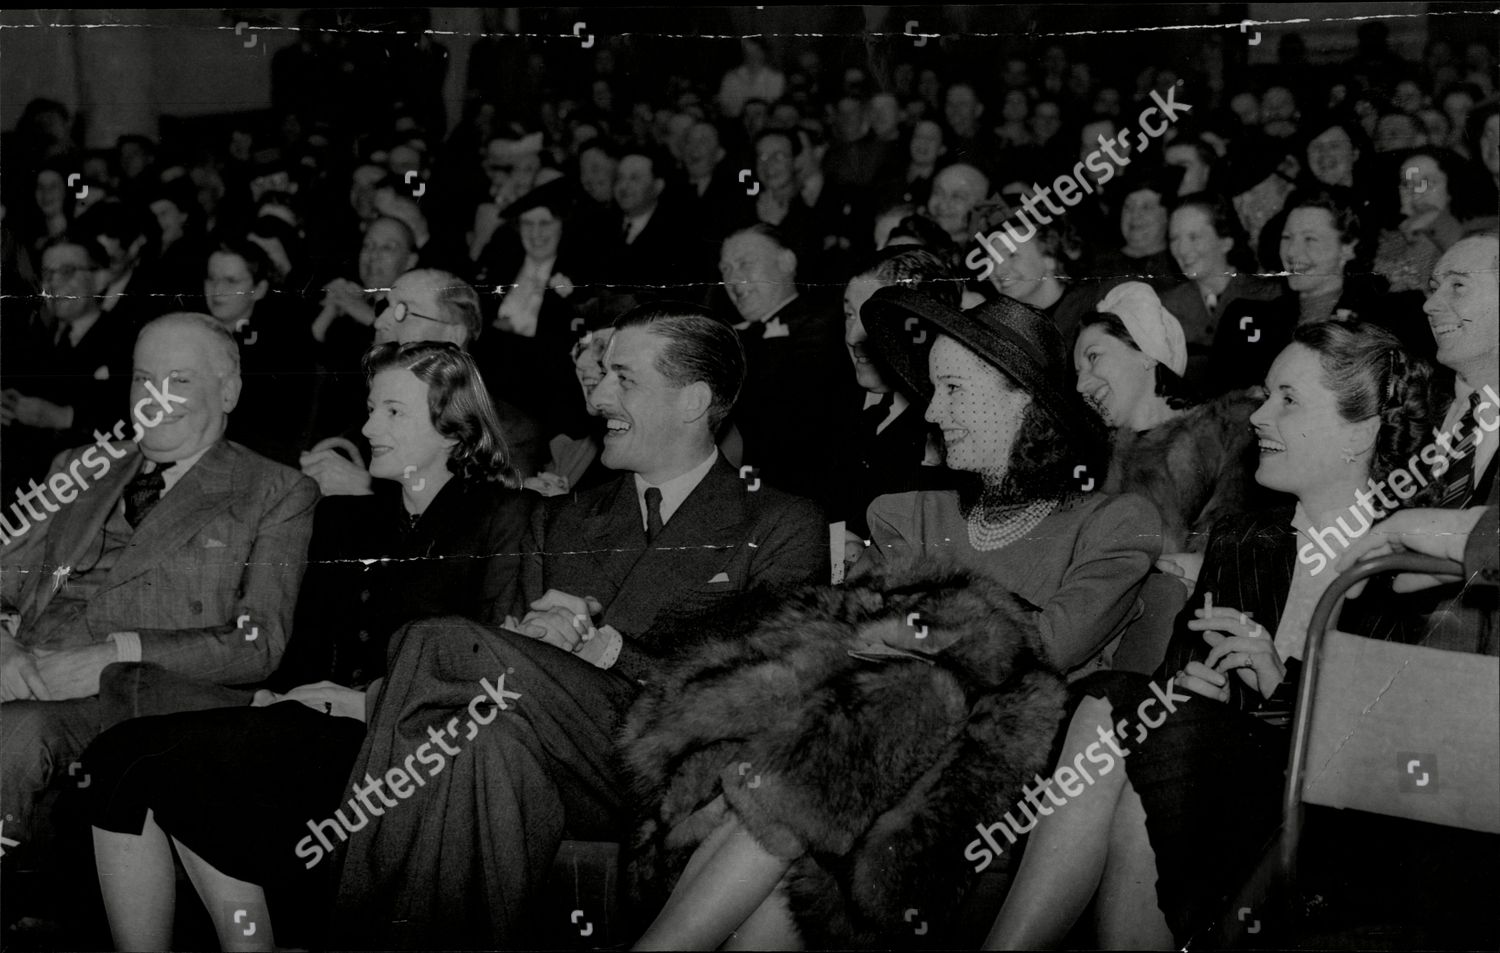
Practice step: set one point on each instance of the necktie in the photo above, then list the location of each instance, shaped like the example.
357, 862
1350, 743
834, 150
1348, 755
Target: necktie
653, 514
141, 494
1458, 482
625, 232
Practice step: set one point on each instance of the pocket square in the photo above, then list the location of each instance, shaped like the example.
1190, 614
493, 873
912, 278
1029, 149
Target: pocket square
101, 373
210, 543
721, 577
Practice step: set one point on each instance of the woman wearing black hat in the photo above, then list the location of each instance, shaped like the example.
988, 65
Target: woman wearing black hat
535, 326
842, 839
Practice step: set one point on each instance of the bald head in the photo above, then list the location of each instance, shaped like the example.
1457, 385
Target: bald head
955, 192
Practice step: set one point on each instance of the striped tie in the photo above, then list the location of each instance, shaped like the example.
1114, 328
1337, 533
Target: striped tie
1458, 482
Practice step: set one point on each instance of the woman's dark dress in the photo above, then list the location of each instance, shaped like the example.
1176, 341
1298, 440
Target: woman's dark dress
238, 786
1210, 775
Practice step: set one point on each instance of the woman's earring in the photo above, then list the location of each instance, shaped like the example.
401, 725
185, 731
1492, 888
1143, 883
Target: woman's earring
1349, 457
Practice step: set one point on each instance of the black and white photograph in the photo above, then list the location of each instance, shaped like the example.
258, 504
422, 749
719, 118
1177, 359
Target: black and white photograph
1007, 476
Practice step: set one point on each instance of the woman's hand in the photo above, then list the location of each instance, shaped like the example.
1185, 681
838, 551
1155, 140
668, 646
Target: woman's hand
327, 697
335, 474
547, 484
1241, 644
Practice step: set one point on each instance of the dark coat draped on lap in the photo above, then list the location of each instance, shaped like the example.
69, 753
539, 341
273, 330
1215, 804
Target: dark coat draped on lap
860, 733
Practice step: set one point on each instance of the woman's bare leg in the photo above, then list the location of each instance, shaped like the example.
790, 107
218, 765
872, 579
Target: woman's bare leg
770, 927
1128, 915
139, 883
1066, 854
728, 879
238, 907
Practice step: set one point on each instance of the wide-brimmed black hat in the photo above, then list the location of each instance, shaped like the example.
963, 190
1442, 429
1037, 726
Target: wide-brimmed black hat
1016, 338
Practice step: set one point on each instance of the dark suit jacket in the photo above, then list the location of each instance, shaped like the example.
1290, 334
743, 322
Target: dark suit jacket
796, 400
651, 266
724, 540
92, 377
228, 541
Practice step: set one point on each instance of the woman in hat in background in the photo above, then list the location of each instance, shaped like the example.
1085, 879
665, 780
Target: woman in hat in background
1193, 460
531, 334
765, 866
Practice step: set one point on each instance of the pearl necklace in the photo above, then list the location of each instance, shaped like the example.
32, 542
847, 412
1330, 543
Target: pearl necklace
986, 535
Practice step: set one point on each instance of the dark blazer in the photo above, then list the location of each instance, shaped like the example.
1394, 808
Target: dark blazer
796, 399
875, 464
228, 542
92, 377
370, 571
724, 540
1248, 566
650, 266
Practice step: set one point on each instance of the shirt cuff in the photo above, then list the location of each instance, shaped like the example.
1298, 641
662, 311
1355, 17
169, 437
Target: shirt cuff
603, 650
127, 646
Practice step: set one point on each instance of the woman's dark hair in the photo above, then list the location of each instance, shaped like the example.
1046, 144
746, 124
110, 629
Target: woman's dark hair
916, 268
1178, 394
1225, 222
1371, 374
1358, 138
1041, 465
926, 233
1346, 221
699, 348
790, 135
458, 404
1464, 187
257, 262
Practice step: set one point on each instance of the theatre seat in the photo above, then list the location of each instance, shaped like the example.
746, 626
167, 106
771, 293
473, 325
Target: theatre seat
581, 904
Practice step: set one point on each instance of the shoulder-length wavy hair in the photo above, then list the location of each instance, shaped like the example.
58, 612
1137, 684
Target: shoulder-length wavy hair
1371, 374
458, 404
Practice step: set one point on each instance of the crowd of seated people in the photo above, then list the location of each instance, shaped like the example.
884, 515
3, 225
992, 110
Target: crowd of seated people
769, 475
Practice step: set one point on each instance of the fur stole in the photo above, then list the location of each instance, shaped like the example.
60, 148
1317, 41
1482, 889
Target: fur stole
860, 733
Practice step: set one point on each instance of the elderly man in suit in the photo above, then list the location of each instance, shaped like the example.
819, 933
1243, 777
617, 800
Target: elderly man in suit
796, 403
616, 577
183, 550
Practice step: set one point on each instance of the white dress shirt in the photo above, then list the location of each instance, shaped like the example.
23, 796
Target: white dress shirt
675, 490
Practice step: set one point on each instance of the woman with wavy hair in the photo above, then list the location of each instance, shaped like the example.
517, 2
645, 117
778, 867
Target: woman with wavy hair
1157, 844
439, 536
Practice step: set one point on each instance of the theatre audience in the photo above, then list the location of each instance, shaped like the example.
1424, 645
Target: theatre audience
170, 557
612, 580
439, 536
1346, 405
575, 187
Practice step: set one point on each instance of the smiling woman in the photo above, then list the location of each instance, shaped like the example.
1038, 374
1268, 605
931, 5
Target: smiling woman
440, 536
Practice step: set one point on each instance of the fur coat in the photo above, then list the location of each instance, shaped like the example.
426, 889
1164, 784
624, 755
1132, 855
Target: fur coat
860, 733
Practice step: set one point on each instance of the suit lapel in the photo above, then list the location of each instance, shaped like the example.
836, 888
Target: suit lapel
202, 493
692, 544
80, 524
615, 532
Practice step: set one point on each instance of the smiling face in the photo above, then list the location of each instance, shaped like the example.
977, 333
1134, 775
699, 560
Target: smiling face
978, 410
415, 295
1114, 378
230, 290
1143, 222
1023, 273
646, 416
926, 143
1463, 307
404, 445
955, 192
1424, 186
49, 192
188, 362
1312, 249
1331, 156
385, 254
541, 231
69, 282
856, 340
1303, 438
773, 162
1198, 250
757, 274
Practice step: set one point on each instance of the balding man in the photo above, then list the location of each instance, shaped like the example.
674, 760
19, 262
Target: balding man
955, 191
162, 542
